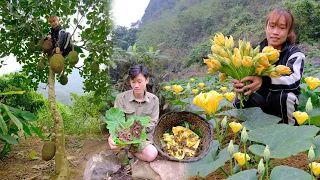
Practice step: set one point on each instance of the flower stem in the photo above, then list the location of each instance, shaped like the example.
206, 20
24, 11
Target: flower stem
231, 166
245, 155
267, 171
309, 120
217, 129
224, 171
311, 173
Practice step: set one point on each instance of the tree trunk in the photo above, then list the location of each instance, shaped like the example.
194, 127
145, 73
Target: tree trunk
61, 153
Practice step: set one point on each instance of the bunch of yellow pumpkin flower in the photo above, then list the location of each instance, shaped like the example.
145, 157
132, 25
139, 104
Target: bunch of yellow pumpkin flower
242, 61
239, 62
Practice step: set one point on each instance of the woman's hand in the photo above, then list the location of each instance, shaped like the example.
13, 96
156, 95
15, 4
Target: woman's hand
255, 84
112, 144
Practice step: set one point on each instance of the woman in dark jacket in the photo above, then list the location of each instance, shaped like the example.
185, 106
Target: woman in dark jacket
276, 96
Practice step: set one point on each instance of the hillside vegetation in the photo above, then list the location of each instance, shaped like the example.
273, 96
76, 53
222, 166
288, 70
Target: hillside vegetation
184, 27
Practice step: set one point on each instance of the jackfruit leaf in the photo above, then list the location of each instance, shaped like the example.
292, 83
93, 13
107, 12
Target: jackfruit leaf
254, 117
210, 162
13, 118
37, 131
32, 155
26, 115
78, 49
115, 119
245, 175
26, 129
283, 140
316, 142
288, 173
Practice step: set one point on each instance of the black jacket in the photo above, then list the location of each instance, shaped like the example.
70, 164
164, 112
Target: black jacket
292, 57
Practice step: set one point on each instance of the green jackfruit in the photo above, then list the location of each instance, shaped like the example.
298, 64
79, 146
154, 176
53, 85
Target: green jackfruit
40, 66
73, 58
94, 67
40, 44
32, 46
63, 79
57, 63
47, 47
48, 150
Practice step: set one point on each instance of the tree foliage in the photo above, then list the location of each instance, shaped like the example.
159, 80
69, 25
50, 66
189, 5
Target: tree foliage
124, 37
29, 101
307, 19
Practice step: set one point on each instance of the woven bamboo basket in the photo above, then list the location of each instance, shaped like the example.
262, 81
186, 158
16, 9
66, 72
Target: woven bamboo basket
172, 119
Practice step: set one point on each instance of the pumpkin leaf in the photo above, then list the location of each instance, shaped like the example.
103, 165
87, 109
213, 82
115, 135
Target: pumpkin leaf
210, 162
254, 117
245, 175
288, 173
283, 140
116, 121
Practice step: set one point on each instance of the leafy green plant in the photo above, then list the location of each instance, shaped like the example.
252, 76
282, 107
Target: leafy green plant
116, 123
12, 122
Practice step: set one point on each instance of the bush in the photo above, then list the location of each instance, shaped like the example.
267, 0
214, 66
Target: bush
198, 52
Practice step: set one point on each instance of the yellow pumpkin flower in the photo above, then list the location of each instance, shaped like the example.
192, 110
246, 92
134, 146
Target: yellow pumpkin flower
226, 60
201, 85
222, 77
283, 69
215, 49
259, 69
208, 101
247, 50
219, 39
177, 88
229, 43
167, 88
247, 61
236, 127
213, 65
271, 53
192, 79
274, 74
195, 91
240, 43
301, 117
312, 82
229, 96
237, 53
223, 89
262, 59
236, 61
315, 168
219, 50
240, 157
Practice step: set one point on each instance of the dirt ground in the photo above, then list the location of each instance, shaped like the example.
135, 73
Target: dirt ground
17, 164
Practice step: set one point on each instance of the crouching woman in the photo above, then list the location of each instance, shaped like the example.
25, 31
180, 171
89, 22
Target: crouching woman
139, 102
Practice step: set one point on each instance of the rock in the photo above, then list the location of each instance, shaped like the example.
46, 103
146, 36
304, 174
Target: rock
100, 166
168, 169
143, 170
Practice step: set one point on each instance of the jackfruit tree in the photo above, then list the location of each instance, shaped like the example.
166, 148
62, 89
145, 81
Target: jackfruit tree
23, 29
